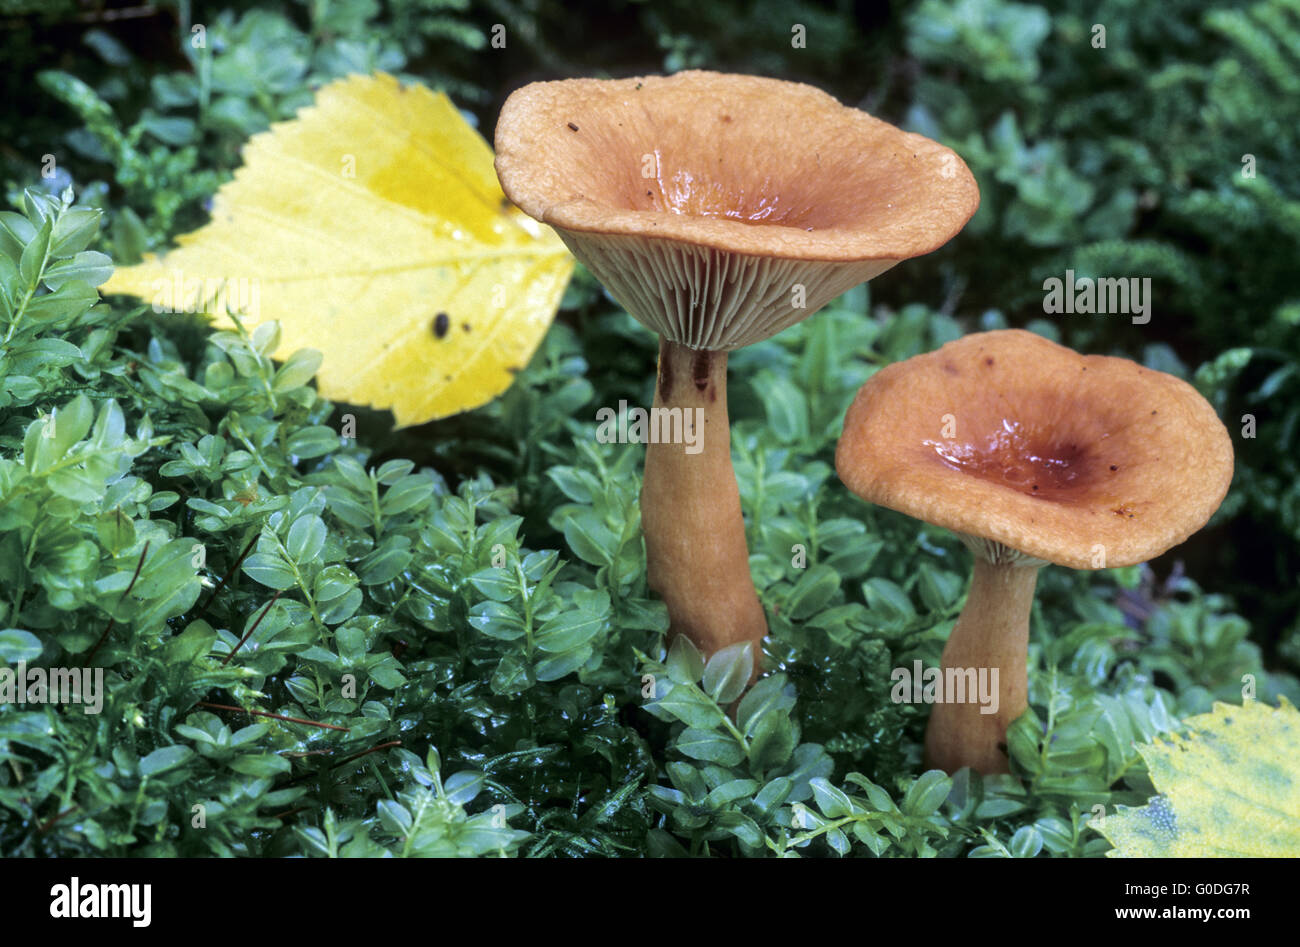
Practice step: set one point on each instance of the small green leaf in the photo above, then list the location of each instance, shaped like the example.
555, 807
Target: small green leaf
497, 584
315, 441
888, 600
497, 620
462, 787
767, 696
34, 255
333, 581
691, 707
552, 667
306, 538
298, 369
164, 759
927, 794
728, 672
710, 746
773, 741
91, 267
394, 817
568, 631
685, 663
1026, 843
270, 570
833, 803
17, 645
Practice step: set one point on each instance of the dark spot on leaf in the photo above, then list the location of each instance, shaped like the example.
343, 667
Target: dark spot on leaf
1114, 467
465, 326
441, 323
572, 127
989, 360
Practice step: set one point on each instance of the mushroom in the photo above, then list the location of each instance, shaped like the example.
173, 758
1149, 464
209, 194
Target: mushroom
1032, 454
718, 210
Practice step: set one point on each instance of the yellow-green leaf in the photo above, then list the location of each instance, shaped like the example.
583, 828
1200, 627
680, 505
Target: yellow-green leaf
356, 225
1230, 787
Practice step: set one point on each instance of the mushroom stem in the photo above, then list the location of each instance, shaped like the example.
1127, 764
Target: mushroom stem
696, 555
992, 632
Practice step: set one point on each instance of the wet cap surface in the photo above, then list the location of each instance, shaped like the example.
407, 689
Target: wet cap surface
1008, 437
738, 163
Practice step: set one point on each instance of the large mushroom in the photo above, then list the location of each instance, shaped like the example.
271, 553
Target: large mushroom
718, 210
1032, 454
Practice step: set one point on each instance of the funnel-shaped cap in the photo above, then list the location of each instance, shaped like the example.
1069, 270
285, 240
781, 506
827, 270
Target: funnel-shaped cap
1005, 437
720, 209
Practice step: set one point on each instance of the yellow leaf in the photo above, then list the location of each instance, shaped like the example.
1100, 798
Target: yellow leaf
356, 225
1230, 787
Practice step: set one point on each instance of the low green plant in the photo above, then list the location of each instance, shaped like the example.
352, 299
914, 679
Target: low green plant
439, 641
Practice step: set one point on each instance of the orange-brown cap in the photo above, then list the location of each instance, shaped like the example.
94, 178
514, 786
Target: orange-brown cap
1028, 448
704, 200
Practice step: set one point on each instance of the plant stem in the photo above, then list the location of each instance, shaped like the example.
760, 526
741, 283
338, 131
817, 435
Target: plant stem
696, 555
991, 633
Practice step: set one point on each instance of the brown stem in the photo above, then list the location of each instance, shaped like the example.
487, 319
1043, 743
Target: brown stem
992, 632
264, 713
696, 555
113, 621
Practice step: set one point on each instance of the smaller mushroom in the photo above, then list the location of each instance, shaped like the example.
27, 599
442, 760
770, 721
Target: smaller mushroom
1033, 454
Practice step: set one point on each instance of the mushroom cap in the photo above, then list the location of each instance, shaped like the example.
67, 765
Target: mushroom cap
1012, 439
702, 199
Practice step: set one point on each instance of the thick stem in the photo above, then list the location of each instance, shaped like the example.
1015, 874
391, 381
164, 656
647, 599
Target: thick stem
991, 633
696, 555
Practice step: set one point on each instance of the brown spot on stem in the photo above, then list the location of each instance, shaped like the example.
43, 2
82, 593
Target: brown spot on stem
665, 371
700, 369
